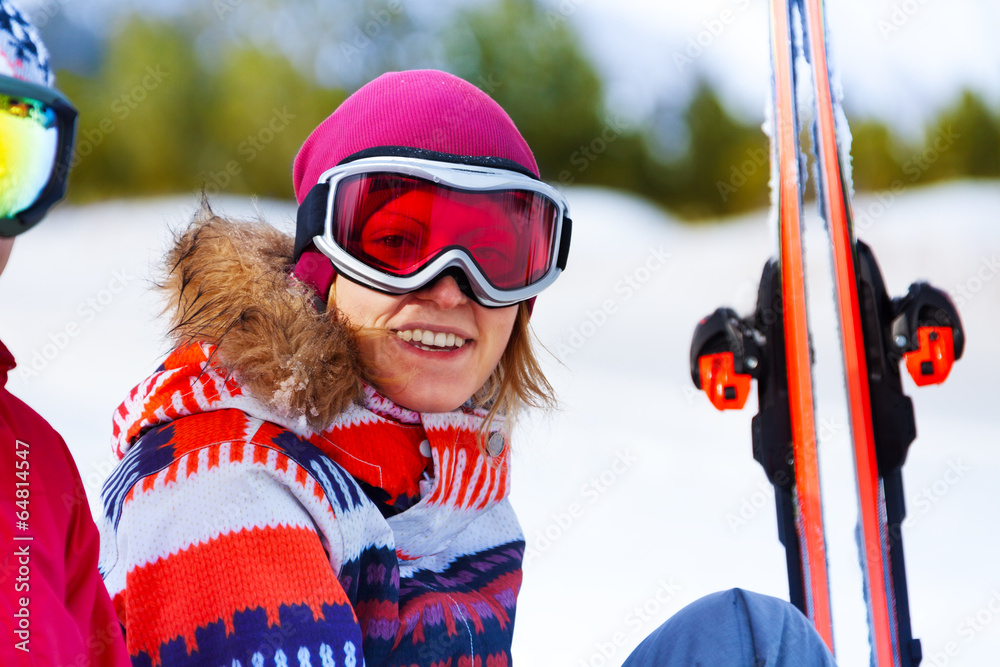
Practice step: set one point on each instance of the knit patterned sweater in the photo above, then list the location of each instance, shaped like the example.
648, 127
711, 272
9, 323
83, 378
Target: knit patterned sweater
238, 530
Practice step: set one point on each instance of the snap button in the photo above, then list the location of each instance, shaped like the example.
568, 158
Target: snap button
494, 446
425, 448
426, 485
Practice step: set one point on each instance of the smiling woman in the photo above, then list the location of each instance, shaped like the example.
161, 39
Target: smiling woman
325, 452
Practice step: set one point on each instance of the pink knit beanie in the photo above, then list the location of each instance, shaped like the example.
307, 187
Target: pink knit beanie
425, 109
421, 109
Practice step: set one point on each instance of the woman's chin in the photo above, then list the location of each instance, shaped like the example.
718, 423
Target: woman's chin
432, 381
425, 398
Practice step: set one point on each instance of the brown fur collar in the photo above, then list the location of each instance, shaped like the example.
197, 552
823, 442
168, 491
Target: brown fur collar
228, 284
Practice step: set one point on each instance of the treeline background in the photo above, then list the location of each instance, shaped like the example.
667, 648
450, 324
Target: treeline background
202, 95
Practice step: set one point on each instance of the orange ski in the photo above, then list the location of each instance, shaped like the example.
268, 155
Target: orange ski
800, 396
876, 332
773, 347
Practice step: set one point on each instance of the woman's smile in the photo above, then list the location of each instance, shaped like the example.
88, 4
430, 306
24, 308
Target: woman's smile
441, 348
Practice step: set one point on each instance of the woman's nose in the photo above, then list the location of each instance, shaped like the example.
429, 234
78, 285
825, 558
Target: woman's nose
445, 292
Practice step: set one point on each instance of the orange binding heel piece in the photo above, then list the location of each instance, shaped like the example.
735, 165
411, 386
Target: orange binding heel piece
726, 389
931, 362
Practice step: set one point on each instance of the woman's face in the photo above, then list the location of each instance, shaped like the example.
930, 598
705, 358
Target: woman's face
460, 341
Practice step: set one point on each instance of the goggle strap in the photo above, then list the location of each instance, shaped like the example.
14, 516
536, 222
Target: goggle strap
311, 217
316, 270
567, 231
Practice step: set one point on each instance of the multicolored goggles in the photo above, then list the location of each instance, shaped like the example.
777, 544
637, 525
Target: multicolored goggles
396, 224
37, 126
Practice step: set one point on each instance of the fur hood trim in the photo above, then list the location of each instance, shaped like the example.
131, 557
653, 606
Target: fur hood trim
228, 284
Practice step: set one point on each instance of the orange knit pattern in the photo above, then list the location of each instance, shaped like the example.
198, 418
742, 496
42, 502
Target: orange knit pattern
213, 581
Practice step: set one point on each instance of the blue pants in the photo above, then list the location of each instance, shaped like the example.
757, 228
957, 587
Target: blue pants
733, 628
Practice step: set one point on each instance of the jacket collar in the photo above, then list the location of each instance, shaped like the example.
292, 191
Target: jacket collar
228, 285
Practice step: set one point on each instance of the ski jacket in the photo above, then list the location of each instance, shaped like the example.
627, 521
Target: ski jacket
55, 608
271, 509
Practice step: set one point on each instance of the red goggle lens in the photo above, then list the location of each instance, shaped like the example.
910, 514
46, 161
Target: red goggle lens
399, 223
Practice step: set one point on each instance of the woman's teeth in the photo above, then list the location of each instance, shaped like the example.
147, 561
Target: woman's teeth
430, 340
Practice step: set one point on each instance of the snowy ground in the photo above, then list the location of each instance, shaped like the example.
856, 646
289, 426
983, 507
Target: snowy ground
636, 497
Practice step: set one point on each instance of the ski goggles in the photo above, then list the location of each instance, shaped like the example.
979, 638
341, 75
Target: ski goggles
396, 224
37, 126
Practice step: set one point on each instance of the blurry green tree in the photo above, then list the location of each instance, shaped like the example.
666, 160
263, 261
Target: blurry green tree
726, 165
155, 119
191, 101
873, 155
964, 141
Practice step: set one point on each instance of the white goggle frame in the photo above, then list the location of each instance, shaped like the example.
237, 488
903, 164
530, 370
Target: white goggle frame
461, 177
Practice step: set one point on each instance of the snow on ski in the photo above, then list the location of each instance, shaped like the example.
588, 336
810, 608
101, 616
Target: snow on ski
836, 211
793, 298
921, 329
773, 346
